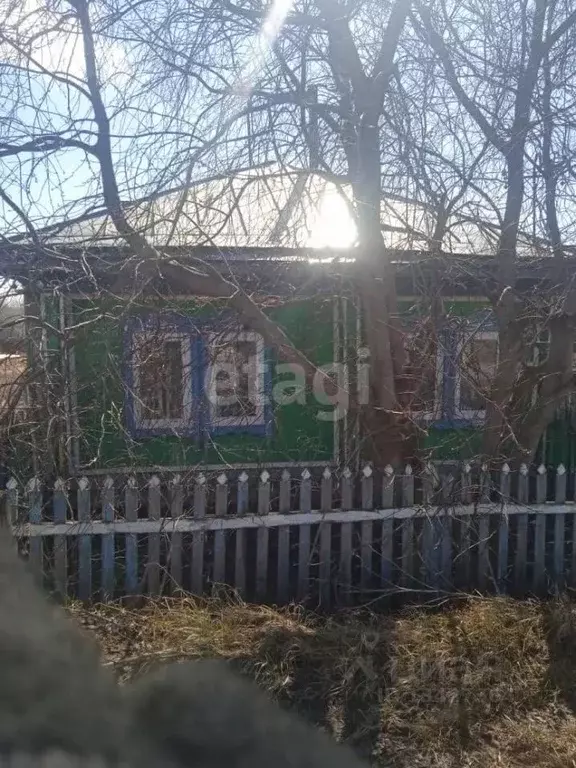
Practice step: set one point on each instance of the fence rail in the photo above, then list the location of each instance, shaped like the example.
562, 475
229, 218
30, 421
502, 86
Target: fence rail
323, 536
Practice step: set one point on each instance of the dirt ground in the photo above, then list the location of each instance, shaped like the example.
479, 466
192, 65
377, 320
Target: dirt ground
479, 684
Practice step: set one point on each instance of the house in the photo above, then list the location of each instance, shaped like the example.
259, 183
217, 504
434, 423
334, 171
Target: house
135, 377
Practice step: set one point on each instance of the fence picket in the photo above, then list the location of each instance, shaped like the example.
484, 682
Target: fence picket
175, 547
407, 554
466, 484
34, 501
539, 552
559, 528
154, 509
408, 487
283, 564
221, 509
541, 484
485, 484
483, 550
521, 551
200, 497
347, 489
523, 484
326, 491
84, 542
386, 554
366, 548
262, 536
325, 561
108, 540
573, 552
60, 513
304, 537
560, 485
505, 484
242, 502
12, 515
197, 564
463, 556
446, 551
303, 561
502, 562
131, 501
345, 566
240, 563
388, 487
367, 487
284, 492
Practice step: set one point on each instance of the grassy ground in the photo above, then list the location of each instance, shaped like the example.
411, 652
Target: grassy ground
486, 683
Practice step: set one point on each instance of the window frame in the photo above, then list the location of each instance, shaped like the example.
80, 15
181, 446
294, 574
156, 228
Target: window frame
435, 414
165, 425
467, 414
195, 337
260, 423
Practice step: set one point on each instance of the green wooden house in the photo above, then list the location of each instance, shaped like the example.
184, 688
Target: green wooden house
150, 379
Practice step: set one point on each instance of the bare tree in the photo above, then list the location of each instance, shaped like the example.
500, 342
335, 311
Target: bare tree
505, 85
170, 117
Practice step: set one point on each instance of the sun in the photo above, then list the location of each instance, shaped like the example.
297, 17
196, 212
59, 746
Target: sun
333, 226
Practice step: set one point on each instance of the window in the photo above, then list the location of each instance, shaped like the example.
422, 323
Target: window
420, 391
235, 379
162, 380
183, 380
476, 366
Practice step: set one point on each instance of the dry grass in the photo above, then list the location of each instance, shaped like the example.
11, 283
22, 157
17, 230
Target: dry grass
488, 683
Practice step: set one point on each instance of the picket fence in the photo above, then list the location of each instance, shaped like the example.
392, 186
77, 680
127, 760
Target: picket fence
325, 538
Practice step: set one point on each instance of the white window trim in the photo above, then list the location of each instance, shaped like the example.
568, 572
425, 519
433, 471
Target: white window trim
436, 413
186, 352
259, 418
467, 413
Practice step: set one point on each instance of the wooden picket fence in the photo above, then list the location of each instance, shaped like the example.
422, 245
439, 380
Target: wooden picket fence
325, 538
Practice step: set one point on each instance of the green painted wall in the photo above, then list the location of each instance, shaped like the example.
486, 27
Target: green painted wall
297, 435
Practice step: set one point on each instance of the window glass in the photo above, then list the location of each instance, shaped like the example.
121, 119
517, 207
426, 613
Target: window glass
477, 368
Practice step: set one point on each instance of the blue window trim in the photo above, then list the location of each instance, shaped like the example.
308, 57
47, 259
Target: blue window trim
198, 329
265, 429
481, 321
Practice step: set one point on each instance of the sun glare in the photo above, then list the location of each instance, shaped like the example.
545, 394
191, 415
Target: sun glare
333, 226
259, 51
